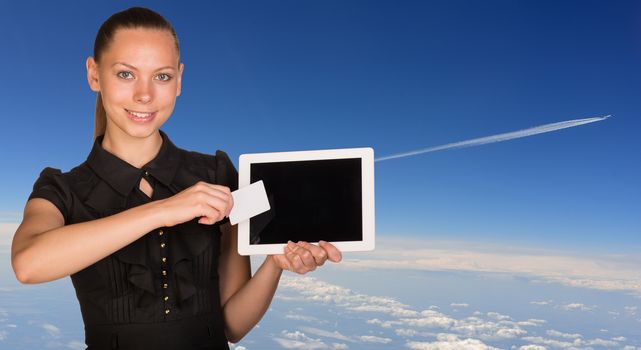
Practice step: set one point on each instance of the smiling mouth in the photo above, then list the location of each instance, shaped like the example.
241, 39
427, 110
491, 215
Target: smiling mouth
140, 115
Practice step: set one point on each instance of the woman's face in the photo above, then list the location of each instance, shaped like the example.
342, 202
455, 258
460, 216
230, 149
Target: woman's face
139, 79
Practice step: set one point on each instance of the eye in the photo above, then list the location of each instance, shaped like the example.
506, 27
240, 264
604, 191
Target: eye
125, 74
164, 77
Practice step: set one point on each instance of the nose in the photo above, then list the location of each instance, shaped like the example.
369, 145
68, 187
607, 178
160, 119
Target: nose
143, 92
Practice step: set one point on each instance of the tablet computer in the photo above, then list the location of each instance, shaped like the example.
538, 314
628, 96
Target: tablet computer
313, 195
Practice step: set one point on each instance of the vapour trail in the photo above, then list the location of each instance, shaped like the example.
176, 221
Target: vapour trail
499, 137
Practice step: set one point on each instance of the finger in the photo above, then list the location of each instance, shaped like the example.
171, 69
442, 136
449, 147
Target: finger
231, 205
333, 254
319, 254
295, 262
217, 187
209, 215
305, 256
208, 194
220, 204
218, 191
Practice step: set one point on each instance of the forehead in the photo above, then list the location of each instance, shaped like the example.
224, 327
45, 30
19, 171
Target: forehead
142, 48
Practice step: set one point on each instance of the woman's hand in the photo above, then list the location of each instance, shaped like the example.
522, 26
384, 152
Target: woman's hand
303, 257
210, 202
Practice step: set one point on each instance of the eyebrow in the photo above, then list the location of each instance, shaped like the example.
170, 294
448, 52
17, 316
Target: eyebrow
134, 68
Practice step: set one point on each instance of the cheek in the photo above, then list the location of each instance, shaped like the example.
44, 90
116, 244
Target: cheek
166, 94
117, 93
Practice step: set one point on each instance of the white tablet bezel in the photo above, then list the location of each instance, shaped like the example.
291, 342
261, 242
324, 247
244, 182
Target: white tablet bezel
366, 154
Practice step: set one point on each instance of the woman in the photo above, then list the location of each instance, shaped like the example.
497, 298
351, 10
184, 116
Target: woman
141, 225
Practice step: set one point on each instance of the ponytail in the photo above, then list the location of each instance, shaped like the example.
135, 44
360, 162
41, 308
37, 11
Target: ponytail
101, 118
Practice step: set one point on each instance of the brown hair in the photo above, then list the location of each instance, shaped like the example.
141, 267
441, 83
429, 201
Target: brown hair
133, 17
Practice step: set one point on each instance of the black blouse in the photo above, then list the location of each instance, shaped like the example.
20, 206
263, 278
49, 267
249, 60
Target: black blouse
161, 291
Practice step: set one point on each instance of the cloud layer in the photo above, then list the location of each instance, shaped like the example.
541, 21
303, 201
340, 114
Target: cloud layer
420, 329
615, 273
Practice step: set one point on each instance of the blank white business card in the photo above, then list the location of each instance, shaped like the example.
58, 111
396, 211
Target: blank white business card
249, 201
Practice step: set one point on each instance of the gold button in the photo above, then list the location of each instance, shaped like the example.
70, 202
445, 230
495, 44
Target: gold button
164, 259
166, 311
160, 233
164, 273
162, 245
164, 285
166, 298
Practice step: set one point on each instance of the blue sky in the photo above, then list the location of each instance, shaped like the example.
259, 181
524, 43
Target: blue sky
395, 76
526, 244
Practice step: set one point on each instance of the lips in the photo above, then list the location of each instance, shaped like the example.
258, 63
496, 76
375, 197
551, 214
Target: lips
140, 116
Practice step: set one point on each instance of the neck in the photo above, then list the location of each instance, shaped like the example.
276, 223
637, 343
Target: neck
136, 151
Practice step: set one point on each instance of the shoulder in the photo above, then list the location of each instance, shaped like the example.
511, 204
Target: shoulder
210, 161
218, 166
60, 187
75, 176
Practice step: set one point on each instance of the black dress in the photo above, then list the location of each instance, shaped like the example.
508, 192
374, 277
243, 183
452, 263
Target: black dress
161, 291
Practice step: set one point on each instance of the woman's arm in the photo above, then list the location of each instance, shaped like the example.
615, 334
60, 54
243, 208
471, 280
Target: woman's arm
44, 249
244, 298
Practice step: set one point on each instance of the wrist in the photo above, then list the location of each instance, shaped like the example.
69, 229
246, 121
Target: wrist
272, 265
154, 211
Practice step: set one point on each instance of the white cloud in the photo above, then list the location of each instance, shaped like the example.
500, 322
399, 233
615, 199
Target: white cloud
472, 331
532, 347
499, 327
574, 344
52, 330
497, 316
298, 340
619, 273
575, 306
488, 330
315, 290
326, 334
339, 346
430, 318
384, 324
298, 317
619, 339
76, 345
3, 335
459, 305
541, 303
558, 334
374, 339
601, 342
531, 322
406, 332
449, 342
548, 342
632, 310
297, 344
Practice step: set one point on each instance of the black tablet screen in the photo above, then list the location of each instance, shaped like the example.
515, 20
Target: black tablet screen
310, 201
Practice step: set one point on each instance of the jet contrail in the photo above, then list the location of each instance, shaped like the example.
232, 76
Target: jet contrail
500, 137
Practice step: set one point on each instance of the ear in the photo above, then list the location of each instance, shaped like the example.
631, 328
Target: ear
179, 79
92, 74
